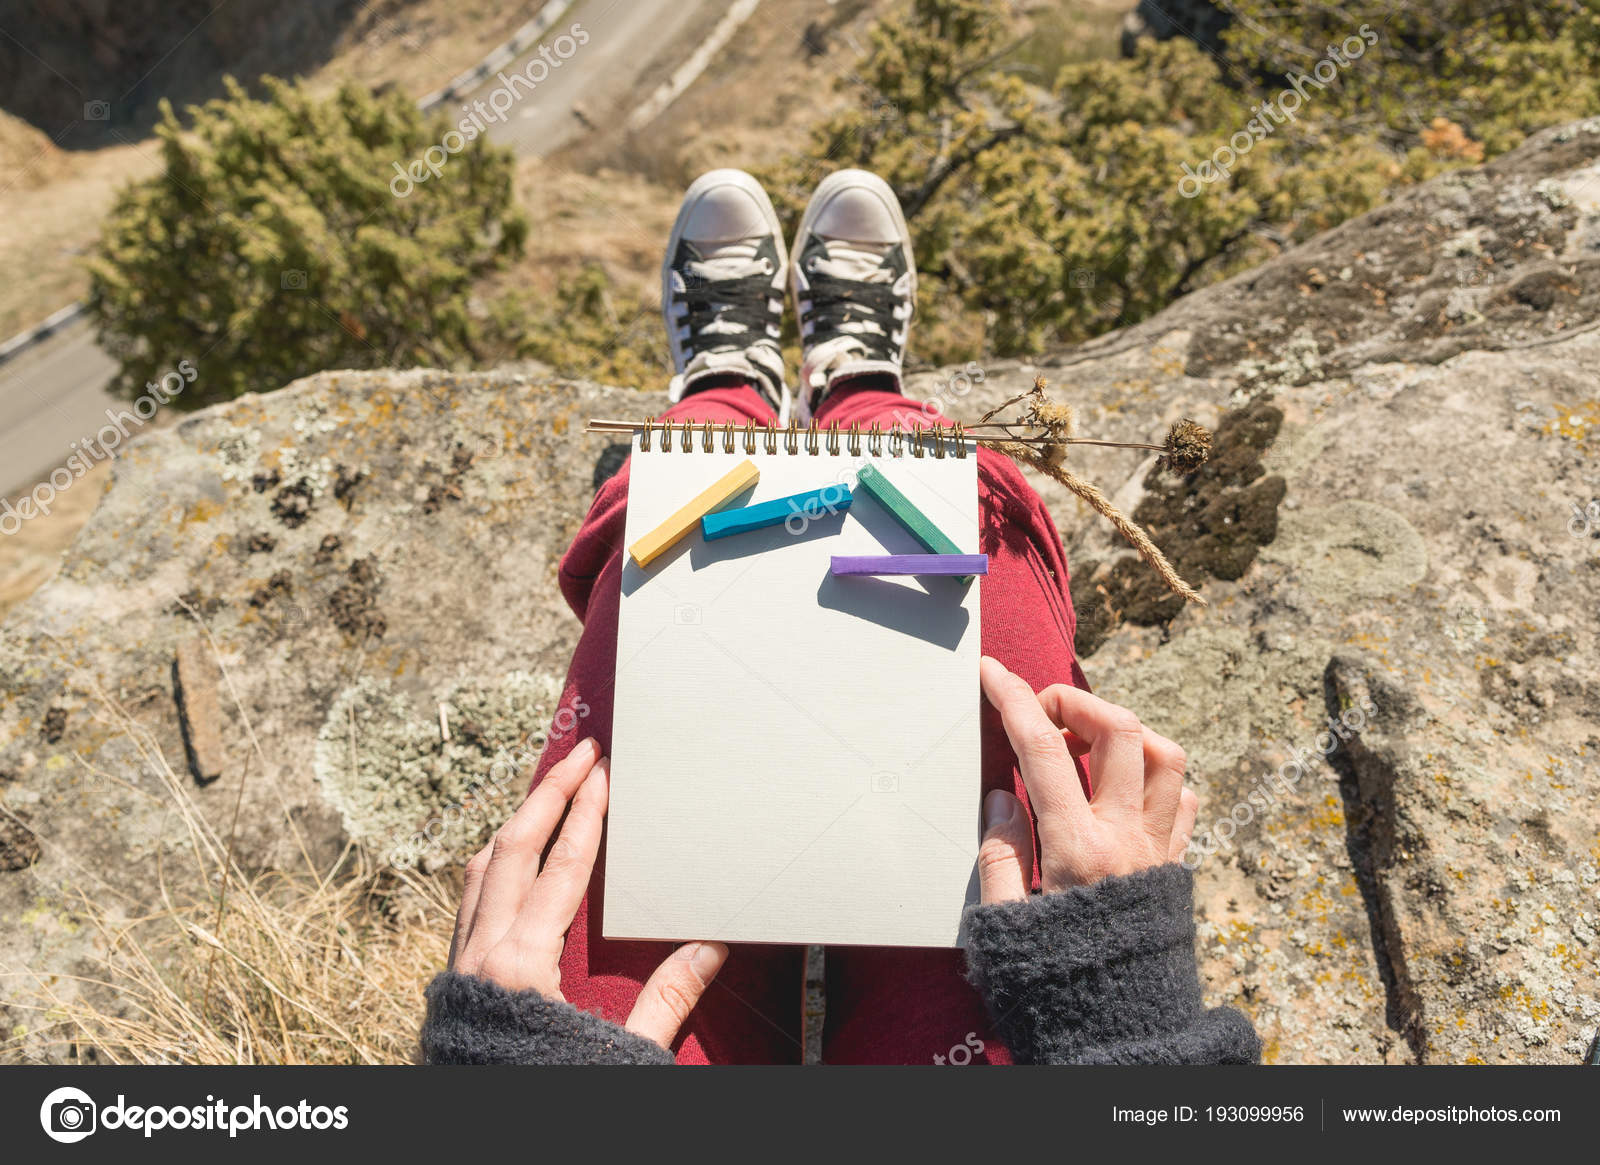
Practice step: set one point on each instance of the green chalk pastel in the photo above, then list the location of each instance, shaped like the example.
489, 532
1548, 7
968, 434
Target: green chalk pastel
914, 520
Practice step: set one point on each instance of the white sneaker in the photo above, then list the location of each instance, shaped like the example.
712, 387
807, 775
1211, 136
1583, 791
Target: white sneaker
722, 287
855, 284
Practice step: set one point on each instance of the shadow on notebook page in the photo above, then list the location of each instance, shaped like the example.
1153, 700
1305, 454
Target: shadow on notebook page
703, 553
934, 615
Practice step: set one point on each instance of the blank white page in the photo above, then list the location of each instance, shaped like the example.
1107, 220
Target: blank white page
795, 757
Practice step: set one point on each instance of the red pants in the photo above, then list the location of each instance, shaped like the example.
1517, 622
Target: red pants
884, 1006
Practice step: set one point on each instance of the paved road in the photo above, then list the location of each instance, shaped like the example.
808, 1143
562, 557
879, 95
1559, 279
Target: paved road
55, 393
626, 37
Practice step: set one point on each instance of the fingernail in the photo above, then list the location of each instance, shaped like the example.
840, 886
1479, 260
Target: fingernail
998, 808
704, 961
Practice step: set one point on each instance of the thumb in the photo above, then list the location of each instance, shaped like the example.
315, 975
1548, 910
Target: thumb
671, 993
1005, 859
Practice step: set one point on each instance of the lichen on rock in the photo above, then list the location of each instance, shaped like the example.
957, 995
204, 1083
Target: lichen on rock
411, 795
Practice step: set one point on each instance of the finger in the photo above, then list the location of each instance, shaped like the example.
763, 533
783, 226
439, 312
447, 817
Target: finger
1042, 753
1005, 859
1164, 765
1050, 701
671, 993
1183, 827
565, 876
471, 887
514, 853
1116, 744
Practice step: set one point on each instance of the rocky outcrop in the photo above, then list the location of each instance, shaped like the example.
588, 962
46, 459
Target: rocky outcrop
1391, 700
1391, 703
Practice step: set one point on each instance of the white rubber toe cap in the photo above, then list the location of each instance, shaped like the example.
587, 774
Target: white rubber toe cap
724, 206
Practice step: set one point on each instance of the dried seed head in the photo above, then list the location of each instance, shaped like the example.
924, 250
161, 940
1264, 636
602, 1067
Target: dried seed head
1188, 446
1058, 418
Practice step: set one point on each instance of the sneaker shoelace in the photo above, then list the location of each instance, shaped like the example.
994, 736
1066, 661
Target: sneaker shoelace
861, 307
725, 303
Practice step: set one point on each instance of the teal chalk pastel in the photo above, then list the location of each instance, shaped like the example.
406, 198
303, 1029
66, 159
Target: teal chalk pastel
801, 508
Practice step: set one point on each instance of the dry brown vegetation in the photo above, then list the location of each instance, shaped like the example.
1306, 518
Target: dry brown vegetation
31, 555
300, 967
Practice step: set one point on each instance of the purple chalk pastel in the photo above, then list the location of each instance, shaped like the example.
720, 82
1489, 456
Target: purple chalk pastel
950, 564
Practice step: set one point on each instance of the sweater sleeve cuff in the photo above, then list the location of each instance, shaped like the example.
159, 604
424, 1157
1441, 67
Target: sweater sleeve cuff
1102, 974
476, 1021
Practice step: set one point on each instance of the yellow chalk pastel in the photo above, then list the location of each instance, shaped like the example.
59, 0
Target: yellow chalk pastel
741, 477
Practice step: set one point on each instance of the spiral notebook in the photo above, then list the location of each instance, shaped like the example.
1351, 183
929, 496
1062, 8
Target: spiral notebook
795, 757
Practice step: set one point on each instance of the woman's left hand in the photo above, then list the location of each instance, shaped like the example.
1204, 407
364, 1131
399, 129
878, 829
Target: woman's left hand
514, 914
1140, 815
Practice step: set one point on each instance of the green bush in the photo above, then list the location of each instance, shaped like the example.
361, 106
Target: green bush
589, 329
280, 240
1048, 214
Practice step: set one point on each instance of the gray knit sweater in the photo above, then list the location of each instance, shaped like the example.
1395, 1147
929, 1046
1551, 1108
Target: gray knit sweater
1101, 974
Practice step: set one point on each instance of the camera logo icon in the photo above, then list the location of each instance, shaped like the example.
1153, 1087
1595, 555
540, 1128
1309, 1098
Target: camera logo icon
884, 782
97, 111
292, 281
68, 1115
686, 615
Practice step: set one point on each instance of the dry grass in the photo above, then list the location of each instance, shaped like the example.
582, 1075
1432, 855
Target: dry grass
293, 970
30, 556
617, 220
419, 45
229, 967
51, 204
28, 158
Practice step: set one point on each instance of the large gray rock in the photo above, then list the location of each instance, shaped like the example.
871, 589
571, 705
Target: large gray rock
345, 555
1393, 533
1407, 414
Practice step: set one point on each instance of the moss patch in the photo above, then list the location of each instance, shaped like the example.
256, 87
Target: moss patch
1210, 523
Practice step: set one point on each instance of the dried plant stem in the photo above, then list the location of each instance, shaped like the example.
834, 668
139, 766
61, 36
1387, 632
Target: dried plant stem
1101, 504
1046, 441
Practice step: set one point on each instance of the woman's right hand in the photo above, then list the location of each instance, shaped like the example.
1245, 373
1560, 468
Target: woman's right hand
1140, 815
515, 911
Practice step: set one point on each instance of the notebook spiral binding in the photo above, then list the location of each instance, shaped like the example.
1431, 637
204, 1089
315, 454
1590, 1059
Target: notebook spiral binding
938, 442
